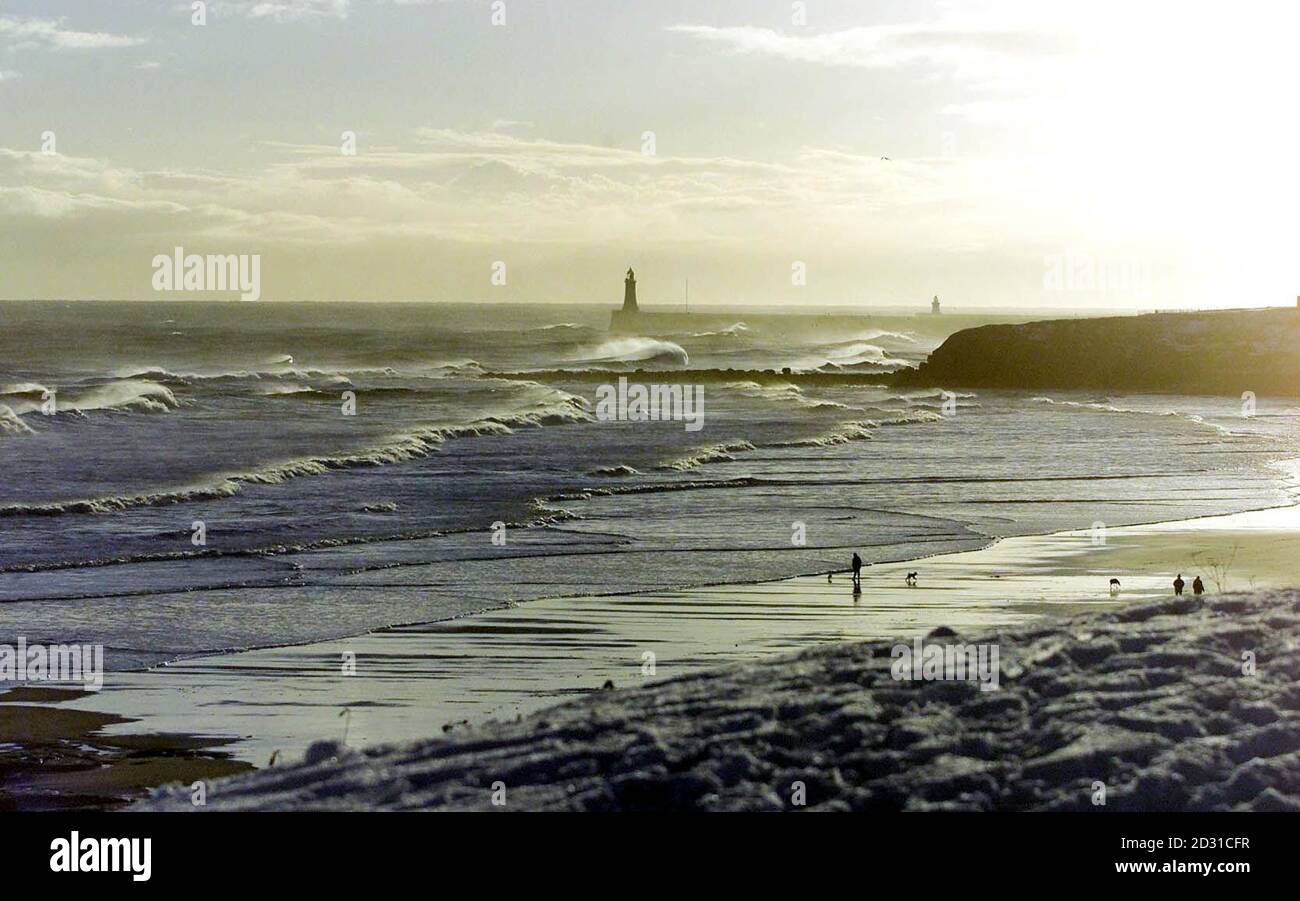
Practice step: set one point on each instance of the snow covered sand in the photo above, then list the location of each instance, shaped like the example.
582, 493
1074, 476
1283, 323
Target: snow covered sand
1151, 701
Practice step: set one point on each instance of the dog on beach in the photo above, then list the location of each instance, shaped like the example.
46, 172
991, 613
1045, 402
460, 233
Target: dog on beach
911, 580
1114, 586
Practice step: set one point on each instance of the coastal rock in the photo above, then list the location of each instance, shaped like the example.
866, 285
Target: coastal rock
1212, 352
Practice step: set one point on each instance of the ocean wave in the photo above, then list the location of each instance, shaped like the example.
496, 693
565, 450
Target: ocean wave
12, 424
878, 334
559, 327
856, 351
709, 375
910, 417
717, 453
877, 367
150, 373
615, 471
415, 444
117, 503
849, 431
299, 391
460, 367
855, 355
403, 448
785, 393
1106, 406
287, 370
861, 430
667, 486
287, 388
635, 350
19, 388
136, 395
732, 331
936, 394
128, 394
570, 409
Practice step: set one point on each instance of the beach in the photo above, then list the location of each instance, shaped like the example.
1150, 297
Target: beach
647, 407
267, 564
450, 678
1178, 704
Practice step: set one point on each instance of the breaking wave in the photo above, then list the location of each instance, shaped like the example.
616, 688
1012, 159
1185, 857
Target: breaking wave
411, 445
718, 453
861, 430
11, 423
635, 350
1106, 406
785, 393
878, 334
140, 395
615, 471
17, 388
731, 331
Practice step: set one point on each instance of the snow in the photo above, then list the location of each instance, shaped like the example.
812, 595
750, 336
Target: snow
1151, 701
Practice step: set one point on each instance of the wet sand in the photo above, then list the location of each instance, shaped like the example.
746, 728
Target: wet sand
56, 758
412, 682
1180, 704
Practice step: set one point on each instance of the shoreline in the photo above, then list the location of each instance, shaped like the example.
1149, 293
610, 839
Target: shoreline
411, 681
1180, 704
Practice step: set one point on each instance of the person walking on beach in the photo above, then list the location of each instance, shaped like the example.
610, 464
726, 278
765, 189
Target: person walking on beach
1198, 587
1178, 584
857, 569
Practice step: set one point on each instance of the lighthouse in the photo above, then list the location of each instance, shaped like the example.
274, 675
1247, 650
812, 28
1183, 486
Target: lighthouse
629, 292
934, 306
628, 317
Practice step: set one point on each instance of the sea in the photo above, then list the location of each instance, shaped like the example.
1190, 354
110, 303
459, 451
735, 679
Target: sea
193, 478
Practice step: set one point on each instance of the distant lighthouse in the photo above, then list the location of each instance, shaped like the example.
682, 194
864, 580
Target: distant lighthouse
934, 305
629, 292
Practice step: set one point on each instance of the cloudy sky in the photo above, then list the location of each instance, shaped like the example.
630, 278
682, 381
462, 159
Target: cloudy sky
1001, 154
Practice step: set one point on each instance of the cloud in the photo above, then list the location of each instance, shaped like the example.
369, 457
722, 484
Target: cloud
883, 46
296, 10
284, 10
488, 188
52, 33
452, 200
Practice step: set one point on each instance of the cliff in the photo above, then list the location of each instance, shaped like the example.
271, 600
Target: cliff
1217, 352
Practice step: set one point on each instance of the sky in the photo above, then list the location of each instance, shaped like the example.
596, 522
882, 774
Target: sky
999, 154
